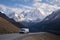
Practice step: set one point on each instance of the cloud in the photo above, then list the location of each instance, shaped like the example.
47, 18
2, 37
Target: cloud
15, 13
53, 2
26, 0
37, 1
24, 6
15, 9
46, 8
21, 0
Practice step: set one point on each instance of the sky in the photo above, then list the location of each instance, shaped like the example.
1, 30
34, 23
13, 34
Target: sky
45, 6
28, 2
19, 7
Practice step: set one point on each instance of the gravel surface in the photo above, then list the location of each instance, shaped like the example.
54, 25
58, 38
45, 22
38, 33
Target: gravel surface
28, 36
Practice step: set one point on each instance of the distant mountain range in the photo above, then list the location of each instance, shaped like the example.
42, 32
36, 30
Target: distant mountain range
50, 24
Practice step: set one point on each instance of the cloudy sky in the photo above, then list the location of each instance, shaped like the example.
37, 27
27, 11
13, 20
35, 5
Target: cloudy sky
45, 6
28, 2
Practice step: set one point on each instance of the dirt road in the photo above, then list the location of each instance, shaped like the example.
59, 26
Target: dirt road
29, 36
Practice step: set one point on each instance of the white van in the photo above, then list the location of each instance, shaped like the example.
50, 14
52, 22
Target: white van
24, 30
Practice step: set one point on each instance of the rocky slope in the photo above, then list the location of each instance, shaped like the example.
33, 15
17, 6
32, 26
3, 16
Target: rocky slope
7, 25
50, 24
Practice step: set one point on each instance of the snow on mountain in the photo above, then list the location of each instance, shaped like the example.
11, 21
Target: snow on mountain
54, 16
45, 8
52, 25
36, 14
19, 14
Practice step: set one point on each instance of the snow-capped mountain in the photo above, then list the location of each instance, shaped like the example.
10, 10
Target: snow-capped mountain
25, 16
50, 24
12, 21
22, 15
52, 17
32, 17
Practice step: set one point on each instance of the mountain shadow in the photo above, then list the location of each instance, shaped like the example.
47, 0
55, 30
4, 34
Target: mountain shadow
50, 24
18, 24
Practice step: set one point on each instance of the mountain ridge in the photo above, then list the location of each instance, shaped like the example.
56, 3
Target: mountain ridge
50, 25
11, 20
